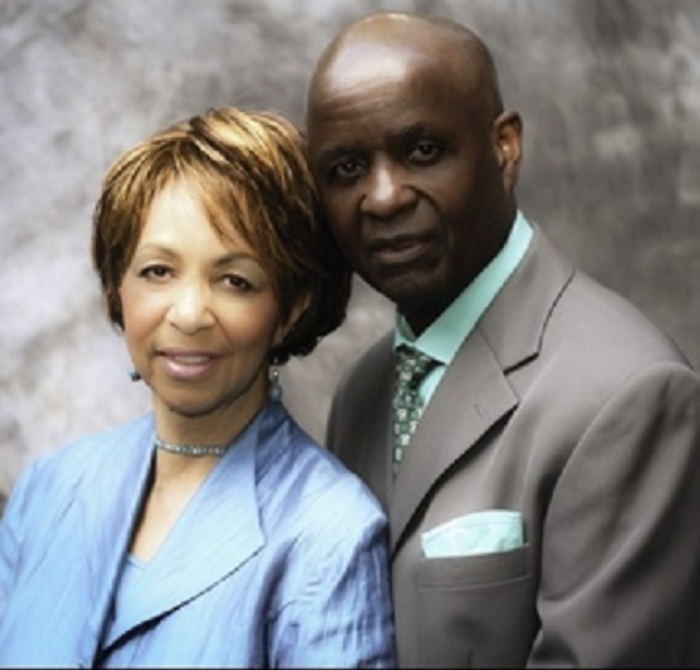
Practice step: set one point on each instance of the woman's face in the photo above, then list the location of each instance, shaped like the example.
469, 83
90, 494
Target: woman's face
200, 314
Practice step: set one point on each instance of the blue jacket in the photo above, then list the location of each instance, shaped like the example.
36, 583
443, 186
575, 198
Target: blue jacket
278, 560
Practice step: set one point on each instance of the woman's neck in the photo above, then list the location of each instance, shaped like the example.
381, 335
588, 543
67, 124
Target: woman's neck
216, 427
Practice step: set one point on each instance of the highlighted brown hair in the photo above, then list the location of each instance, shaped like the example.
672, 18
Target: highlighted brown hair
249, 170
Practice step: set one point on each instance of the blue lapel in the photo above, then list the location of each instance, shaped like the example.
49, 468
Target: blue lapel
111, 513
217, 532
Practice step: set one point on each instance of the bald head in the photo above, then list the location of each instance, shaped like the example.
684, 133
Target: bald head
415, 159
384, 43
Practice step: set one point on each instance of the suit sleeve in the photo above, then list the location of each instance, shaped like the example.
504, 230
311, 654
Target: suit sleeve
621, 537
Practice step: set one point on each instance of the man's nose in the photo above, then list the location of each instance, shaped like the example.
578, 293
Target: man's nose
387, 191
191, 307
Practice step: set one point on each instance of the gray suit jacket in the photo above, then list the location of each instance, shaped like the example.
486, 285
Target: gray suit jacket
567, 405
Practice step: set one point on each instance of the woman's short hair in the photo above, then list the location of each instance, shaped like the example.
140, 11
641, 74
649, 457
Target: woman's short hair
250, 172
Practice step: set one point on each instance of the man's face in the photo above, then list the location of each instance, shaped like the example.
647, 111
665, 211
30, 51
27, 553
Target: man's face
408, 174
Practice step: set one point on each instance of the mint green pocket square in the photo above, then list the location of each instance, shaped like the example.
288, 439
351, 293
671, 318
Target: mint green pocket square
485, 532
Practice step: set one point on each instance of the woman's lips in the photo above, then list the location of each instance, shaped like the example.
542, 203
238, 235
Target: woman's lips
188, 366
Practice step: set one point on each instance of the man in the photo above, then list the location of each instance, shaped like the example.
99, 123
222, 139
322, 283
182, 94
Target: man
545, 511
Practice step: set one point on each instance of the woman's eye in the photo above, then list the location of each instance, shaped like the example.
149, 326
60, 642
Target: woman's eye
155, 272
238, 282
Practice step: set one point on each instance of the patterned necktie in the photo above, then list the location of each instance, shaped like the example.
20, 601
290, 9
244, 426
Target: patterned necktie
411, 369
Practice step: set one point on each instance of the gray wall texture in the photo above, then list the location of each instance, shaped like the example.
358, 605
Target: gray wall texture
610, 95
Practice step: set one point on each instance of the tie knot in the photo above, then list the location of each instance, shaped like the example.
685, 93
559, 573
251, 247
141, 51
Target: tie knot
412, 366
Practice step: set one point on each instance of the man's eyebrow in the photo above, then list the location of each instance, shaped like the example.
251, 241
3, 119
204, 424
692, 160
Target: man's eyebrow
415, 131
409, 133
333, 153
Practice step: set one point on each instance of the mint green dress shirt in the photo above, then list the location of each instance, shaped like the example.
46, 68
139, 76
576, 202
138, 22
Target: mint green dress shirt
442, 338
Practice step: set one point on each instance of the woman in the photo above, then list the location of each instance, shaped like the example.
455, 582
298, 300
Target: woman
213, 531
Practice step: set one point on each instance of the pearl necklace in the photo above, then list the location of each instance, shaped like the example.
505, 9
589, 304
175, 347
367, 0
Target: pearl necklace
191, 450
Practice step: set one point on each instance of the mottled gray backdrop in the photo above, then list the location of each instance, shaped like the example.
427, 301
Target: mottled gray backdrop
609, 91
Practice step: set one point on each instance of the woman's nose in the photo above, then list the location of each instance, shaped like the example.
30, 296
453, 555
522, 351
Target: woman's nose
191, 308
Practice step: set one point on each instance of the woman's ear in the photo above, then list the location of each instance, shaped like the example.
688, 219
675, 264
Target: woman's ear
507, 139
301, 305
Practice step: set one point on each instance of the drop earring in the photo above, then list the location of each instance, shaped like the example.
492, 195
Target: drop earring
134, 375
275, 391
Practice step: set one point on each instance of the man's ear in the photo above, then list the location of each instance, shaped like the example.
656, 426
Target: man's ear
507, 139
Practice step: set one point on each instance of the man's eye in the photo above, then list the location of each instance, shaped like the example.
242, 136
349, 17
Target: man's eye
347, 168
425, 152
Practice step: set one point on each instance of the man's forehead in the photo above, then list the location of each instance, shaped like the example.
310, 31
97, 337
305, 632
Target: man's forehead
369, 59
363, 61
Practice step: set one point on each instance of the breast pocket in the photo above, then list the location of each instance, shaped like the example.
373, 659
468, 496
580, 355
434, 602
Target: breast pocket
476, 610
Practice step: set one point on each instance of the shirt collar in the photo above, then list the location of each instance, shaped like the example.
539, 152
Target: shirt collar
444, 336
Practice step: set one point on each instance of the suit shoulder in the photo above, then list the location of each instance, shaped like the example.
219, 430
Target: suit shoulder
359, 396
370, 364
88, 454
563, 312
321, 485
334, 481
605, 326
598, 346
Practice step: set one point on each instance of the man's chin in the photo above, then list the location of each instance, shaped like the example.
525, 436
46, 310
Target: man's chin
411, 285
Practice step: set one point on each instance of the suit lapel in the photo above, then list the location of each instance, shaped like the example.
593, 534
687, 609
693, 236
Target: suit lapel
515, 323
471, 397
475, 392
